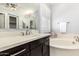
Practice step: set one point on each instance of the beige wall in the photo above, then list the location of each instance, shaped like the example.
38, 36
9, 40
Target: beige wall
65, 12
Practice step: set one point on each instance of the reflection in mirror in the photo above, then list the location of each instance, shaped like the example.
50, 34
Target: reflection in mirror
32, 24
24, 25
2, 20
20, 18
13, 22
32, 20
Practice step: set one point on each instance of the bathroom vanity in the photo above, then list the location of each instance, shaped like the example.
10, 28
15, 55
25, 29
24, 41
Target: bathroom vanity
37, 45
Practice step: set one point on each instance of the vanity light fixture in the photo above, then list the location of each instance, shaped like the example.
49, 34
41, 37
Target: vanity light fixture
11, 6
29, 12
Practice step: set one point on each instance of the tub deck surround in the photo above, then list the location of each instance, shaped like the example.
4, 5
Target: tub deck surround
10, 42
63, 44
64, 41
64, 47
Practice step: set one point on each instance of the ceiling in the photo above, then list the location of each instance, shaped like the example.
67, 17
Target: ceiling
20, 6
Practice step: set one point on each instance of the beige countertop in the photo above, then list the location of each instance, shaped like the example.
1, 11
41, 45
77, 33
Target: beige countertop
10, 42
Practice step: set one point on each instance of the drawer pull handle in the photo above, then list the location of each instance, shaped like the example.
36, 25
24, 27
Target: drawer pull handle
4, 54
19, 52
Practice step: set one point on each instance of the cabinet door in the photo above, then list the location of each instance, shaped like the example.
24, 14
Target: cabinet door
46, 48
35, 44
37, 51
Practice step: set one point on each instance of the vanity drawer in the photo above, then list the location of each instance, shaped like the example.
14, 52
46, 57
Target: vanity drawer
14, 50
23, 52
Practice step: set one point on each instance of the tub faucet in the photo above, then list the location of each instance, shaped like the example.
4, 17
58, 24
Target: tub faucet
77, 38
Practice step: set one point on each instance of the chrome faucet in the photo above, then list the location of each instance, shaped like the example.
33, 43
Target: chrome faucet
27, 31
22, 33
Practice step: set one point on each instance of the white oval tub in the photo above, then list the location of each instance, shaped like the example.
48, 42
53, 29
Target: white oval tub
63, 47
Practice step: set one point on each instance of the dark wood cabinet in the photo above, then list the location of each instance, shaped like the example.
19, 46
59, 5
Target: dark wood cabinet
37, 51
39, 47
35, 44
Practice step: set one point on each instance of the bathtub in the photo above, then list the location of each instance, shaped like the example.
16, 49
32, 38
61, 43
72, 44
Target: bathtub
64, 47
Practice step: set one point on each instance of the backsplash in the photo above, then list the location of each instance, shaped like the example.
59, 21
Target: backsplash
9, 33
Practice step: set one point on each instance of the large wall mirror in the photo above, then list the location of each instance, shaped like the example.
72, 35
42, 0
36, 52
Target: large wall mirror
13, 22
18, 18
2, 20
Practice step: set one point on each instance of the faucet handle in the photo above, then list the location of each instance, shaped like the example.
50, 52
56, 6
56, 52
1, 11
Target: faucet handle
76, 40
22, 33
